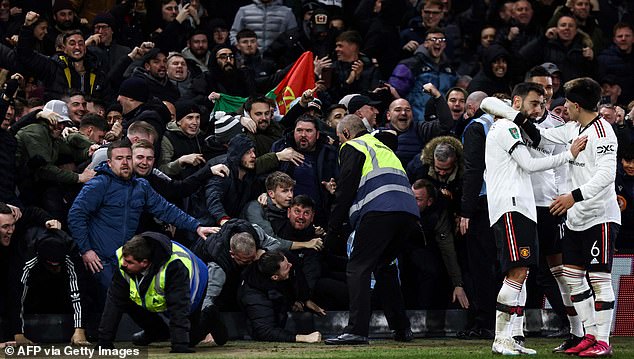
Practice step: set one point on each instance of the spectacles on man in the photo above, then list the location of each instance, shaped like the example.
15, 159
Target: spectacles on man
101, 27
432, 12
438, 40
225, 56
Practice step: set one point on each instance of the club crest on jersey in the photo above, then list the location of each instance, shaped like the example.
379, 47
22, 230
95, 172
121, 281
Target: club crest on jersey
514, 133
525, 252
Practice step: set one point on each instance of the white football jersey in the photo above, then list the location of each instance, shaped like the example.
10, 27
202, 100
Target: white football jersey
508, 168
548, 184
592, 172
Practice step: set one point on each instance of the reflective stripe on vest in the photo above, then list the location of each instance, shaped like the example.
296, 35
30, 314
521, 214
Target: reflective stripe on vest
92, 76
154, 299
382, 173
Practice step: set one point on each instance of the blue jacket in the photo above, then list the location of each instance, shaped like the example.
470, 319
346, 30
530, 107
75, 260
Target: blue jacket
411, 74
106, 212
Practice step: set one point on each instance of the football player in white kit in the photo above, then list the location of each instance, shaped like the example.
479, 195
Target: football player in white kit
512, 211
593, 216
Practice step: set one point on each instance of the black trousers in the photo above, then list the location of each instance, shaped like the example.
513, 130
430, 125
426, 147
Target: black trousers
155, 327
377, 242
483, 268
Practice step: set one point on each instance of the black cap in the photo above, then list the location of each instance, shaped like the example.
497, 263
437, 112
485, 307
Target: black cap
152, 54
319, 21
359, 101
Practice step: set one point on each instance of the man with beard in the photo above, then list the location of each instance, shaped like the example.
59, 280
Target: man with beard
227, 196
512, 209
315, 175
154, 72
298, 227
269, 291
74, 69
225, 77
260, 110
64, 19
197, 50
413, 136
106, 213
428, 65
546, 186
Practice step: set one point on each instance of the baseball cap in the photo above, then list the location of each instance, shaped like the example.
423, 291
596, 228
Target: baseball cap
152, 54
319, 20
550, 67
359, 101
315, 105
60, 108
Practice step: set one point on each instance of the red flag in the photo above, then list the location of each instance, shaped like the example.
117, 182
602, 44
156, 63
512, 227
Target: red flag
300, 78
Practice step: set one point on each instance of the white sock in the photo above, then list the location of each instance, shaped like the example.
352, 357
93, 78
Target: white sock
507, 300
582, 298
604, 303
517, 326
576, 327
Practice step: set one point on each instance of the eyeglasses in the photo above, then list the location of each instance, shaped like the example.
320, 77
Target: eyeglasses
438, 40
225, 56
432, 12
101, 27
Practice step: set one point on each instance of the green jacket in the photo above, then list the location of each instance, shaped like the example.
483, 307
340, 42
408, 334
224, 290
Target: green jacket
37, 148
79, 145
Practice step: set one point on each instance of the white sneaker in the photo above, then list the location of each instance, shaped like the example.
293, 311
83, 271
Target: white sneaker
504, 346
519, 346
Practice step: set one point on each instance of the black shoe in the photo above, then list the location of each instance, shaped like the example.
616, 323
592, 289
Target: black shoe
563, 332
142, 340
485, 334
212, 322
404, 335
571, 342
347, 339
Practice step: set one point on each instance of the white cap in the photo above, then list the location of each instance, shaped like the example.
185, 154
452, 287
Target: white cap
60, 108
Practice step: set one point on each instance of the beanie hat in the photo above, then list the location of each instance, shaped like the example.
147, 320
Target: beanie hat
52, 246
184, 108
62, 5
104, 18
227, 127
135, 88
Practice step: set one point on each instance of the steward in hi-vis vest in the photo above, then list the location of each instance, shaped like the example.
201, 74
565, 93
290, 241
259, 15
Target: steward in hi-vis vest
157, 275
374, 192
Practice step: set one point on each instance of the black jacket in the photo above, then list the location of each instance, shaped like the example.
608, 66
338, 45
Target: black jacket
473, 144
327, 168
44, 291
177, 294
12, 259
227, 196
52, 71
266, 304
